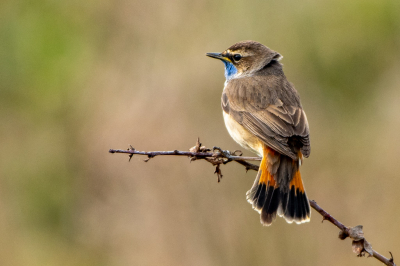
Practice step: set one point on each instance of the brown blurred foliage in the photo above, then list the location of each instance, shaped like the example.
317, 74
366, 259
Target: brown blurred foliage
80, 77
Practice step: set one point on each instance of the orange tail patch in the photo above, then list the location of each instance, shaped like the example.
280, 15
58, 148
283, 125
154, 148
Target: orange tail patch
266, 176
272, 193
298, 207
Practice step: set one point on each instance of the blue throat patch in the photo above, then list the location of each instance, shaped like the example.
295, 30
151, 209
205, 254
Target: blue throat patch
230, 70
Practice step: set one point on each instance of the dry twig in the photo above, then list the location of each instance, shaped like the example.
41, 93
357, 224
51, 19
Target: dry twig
218, 156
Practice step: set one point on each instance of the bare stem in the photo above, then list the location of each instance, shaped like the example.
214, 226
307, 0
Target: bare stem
200, 155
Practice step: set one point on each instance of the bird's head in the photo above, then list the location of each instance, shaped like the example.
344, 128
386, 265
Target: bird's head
245, 58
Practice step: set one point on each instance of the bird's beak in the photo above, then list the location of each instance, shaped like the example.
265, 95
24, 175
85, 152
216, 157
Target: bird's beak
218, 56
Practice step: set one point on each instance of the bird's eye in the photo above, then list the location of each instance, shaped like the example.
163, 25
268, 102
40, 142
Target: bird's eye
237, 57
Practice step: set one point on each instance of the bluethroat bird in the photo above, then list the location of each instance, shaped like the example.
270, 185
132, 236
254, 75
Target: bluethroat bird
263, 113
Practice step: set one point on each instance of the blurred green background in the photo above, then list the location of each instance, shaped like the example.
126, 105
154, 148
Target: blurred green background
80, 77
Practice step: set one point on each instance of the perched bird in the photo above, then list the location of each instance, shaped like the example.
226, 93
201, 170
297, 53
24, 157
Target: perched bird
263, 113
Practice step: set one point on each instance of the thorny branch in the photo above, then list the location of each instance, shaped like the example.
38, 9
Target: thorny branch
198, 152
217, 156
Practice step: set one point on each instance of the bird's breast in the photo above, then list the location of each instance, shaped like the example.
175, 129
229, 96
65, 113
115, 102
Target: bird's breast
242, 136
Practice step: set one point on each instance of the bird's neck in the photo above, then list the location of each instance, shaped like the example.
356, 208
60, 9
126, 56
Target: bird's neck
230, 70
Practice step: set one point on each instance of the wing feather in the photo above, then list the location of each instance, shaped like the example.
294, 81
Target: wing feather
269, 107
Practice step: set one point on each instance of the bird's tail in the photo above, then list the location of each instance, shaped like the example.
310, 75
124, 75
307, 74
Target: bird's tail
278, 189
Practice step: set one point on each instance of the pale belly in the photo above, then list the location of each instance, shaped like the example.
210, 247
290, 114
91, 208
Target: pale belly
243, 136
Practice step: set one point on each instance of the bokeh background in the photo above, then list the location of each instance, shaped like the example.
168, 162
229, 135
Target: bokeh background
81, 77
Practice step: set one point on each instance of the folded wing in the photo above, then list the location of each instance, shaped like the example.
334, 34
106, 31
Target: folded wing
269, 107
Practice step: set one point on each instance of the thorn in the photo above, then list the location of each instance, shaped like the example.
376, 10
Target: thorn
150, 156
198, 143
130, 149
391, 257
343, 235
218, 172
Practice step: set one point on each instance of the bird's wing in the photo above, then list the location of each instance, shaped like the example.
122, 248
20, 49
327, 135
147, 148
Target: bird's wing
269, 107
